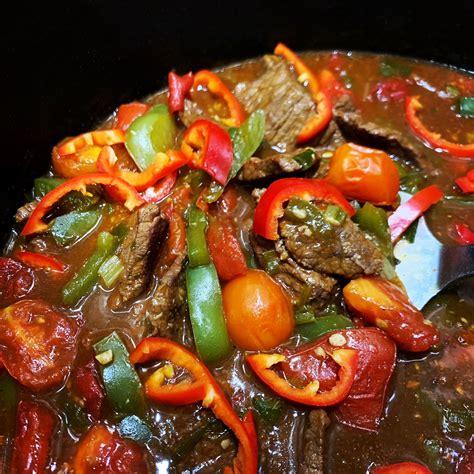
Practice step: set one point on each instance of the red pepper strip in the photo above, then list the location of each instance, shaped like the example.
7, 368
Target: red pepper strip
160, 190
412, 105
466, 183
98, 137
204, 387
308, 395
178, 87
35, 425
402, 468
208, 146
215, 85
225, 249
411, 210
330, 85
38, 260
122, 190
323, 103
270, 207
127, 113
85, 380
466, 235
164, 164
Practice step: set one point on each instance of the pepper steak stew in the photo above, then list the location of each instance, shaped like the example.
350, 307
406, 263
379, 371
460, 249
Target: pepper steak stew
207, 283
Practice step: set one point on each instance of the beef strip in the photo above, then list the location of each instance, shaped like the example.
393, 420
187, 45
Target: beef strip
273, 166
343, 251
293, 277
155, 314
24, 212
313, 458
286, 103
147, 227
355, 129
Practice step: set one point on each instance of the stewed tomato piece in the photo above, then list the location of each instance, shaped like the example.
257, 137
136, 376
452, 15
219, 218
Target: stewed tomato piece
37, 343
16, 280
35, 425
364, 174
104, 451
258, 313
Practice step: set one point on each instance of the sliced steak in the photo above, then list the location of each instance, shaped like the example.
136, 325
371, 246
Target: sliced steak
343, 251
286, 103
293, 277
355, 129
169, 295
24, 212
147, 227
313, 457
275, 166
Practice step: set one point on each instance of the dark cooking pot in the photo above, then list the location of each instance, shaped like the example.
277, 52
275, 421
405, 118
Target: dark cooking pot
67, 66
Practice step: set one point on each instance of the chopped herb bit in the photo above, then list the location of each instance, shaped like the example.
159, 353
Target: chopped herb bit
390, 68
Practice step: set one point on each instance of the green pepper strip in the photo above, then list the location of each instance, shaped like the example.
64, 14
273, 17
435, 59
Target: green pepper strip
373, 220
245, 141
207, 313
122, 384
306, 158
323, 325
196, 238
69, 228
45, 184
8, 403
87, 276
151, 133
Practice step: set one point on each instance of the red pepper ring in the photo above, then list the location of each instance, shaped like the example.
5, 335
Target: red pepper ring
38, 260
216, 86
412, 106
98, 137
346, 358
178, 87
208, 146
205, 388
164, 164
270, 207
121, 189
321, 98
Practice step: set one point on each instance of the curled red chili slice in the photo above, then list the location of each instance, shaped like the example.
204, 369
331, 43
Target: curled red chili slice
121, 189
270, 207
203, 388
310, 394
435, 140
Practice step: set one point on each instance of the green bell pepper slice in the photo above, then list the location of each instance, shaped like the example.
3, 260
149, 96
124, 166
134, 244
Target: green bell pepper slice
323, 325
198, 253
87, 276
373, 220
149, 134
69, 228
122, 384
45, 184
207, 313
8, 403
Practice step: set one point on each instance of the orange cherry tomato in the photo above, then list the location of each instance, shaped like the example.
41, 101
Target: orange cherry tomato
364, 174
82, 162
259, 315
